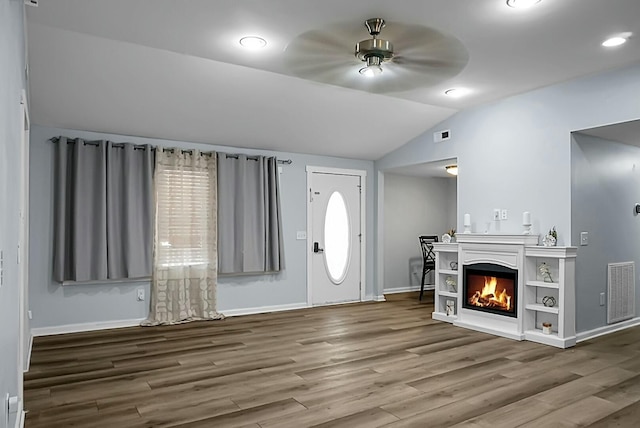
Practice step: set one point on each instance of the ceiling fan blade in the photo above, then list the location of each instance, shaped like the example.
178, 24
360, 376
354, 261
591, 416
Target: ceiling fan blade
317, 41
422, 57
435, 68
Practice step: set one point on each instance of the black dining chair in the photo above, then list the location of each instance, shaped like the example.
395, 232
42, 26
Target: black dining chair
428, 257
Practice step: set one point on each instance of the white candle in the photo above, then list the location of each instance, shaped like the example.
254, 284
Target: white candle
467, 219
526, 217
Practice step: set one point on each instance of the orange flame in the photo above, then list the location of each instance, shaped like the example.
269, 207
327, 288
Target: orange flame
490, 297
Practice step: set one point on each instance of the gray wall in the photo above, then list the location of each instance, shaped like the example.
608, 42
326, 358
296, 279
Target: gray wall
605, 186
12, 63
413, 206
56, 305
515, 154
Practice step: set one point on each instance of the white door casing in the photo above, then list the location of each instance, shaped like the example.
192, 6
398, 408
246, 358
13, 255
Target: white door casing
336, 268
24, 339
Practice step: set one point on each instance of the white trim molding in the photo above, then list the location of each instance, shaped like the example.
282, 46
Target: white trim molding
395, 290
607, 329
29, 351
20, 417
90, 326
263, 309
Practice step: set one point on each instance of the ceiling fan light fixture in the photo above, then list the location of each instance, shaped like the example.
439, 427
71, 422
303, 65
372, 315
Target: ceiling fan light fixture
253, 42
373, 51
521, 4
373, 67
452, 169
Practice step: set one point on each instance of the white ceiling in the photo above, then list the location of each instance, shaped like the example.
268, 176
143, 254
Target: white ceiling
174, 69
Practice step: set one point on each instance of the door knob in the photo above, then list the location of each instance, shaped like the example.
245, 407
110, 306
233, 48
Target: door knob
316, 248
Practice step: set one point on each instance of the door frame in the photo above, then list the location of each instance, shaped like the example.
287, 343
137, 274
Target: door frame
24, 344
363, 225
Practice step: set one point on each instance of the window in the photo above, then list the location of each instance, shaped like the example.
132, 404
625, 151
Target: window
185, 209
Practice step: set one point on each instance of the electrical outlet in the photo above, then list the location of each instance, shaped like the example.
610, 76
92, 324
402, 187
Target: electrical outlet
503, 214
496, 214
140, 295
301, 234
601, 299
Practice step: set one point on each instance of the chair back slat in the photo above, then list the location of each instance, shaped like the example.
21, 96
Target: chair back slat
426, 244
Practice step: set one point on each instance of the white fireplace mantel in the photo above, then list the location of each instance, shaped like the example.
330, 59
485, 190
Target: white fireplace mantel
483, 238
521, 253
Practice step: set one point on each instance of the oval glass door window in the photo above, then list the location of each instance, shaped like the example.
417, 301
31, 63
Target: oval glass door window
337, 245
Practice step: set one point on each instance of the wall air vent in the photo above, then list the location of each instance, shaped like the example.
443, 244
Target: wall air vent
443, 135
621, 288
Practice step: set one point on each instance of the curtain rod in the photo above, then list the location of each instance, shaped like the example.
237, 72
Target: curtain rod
142, 147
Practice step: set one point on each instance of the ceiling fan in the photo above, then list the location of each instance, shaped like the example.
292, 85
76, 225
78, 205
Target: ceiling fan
408, 57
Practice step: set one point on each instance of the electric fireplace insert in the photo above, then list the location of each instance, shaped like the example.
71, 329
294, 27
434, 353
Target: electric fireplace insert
490, 288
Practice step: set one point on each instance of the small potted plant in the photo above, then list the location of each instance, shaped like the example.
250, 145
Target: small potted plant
551, 238
450, 236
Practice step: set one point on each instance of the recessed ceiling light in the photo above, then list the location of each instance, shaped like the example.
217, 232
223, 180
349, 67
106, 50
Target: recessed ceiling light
521, 4
457, 92
452, 169
253, 42
616, 40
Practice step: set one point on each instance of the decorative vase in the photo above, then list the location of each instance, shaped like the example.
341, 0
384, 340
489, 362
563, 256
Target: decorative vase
451, 283
549, 241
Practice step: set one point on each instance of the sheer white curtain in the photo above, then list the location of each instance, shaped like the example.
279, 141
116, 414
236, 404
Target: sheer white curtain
183, 286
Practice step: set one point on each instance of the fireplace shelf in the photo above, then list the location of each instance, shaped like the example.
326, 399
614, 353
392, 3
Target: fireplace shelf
542, 308
446, 258
543, 284
560, 265
448, 294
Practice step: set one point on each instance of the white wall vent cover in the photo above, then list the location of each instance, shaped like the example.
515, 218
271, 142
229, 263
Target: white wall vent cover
622, 295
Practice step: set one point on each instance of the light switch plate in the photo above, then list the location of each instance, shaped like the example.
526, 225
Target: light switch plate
584, 238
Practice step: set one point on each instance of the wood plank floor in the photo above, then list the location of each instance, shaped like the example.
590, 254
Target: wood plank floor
360, 365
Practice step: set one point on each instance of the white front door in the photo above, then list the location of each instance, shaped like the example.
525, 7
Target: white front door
335, 240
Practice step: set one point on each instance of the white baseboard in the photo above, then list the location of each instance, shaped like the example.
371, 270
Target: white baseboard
263, 309
77, 328
90, 326
607, 329
427, 287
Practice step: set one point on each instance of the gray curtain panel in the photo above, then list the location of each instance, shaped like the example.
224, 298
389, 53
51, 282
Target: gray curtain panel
249, 216
103, 210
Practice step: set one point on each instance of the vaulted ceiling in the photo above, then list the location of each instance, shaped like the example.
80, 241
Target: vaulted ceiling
175, 70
